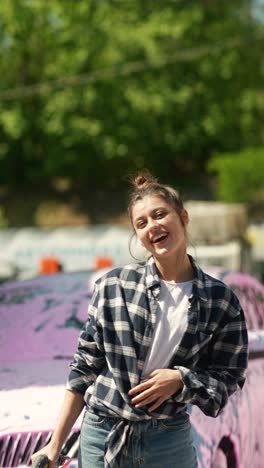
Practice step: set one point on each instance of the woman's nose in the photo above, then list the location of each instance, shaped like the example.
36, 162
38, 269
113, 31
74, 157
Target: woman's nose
152, 224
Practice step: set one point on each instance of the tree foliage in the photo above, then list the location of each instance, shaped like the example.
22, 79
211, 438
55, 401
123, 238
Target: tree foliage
240, 175
93, 90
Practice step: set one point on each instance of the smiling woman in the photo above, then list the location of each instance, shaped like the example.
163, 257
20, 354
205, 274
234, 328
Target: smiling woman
159, 220
160, 334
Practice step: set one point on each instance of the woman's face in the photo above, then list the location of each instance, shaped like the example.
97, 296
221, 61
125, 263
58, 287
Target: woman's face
159, 227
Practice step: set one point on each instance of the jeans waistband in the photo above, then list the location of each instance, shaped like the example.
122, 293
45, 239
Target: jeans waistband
181, 417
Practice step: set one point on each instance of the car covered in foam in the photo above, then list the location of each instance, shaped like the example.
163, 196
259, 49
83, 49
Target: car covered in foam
40, 322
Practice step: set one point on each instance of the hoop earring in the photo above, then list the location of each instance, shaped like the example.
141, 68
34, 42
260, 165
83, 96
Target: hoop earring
145, 253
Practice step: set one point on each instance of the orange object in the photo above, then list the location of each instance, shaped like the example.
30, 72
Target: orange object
103, 262
49, 265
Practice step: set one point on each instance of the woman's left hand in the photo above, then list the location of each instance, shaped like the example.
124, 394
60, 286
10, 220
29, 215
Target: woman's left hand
158, 387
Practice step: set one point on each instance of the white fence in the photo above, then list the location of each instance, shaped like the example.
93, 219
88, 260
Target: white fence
78, 249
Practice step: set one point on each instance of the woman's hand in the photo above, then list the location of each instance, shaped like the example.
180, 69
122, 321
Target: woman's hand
72, 406
158, 387
52, 454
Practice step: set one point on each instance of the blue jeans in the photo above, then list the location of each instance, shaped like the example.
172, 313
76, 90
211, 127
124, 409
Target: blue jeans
154, 443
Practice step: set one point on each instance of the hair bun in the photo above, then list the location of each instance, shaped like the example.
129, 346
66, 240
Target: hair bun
143, 180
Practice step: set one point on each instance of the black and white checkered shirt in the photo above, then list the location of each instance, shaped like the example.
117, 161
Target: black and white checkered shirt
112, 348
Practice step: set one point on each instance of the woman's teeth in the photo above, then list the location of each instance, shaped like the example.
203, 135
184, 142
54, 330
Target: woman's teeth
158, 239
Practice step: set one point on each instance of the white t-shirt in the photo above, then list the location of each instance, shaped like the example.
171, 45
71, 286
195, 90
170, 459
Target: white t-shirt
171, 323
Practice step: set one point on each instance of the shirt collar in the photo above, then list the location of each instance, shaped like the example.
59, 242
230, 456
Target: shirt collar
199, 287
152, 275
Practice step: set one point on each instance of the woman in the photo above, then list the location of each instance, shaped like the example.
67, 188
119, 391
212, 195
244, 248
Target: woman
160, 334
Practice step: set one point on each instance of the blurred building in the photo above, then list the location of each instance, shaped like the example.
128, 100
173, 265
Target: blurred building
218, 233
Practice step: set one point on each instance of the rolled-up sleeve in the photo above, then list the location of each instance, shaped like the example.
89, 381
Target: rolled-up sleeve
211, 383
89, 359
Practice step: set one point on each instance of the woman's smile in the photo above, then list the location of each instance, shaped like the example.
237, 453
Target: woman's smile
160, 239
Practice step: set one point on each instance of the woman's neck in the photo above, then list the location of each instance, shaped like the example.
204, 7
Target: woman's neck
178, 270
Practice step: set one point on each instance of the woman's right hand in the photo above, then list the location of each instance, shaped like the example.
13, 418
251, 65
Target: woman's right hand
72, 406
52, 454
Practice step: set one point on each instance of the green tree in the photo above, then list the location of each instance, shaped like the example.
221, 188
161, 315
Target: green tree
93, 90
240, 175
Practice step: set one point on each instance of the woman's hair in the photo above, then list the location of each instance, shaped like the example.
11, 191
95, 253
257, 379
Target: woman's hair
145, 184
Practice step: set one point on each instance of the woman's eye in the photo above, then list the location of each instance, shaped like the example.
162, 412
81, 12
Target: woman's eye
159, 214
140, 225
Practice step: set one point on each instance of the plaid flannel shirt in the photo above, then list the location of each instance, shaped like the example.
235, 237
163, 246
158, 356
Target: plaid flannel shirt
112, 347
